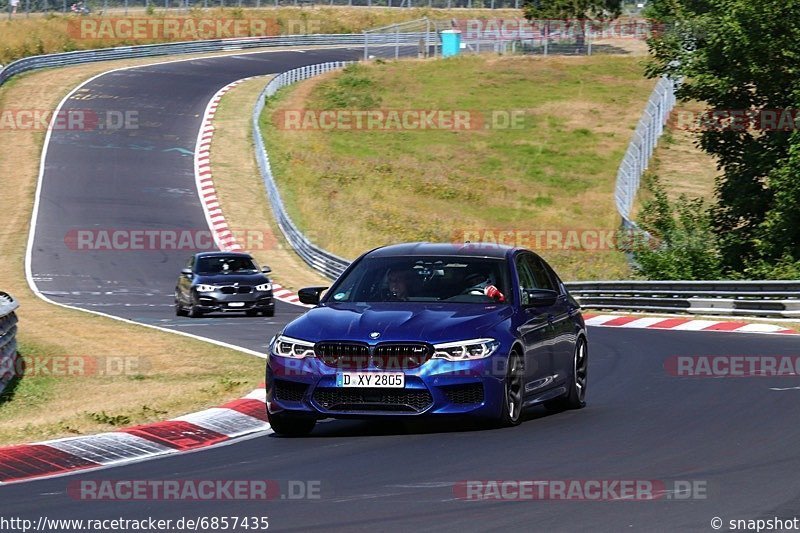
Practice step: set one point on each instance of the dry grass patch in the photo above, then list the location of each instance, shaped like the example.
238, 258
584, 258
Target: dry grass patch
682, 166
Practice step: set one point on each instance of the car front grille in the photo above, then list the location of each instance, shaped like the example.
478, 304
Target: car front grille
401, 356
343, 355
403, 400
243, 289
464, 394
290, 391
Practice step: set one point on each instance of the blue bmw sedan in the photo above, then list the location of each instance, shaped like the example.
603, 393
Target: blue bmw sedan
421, 329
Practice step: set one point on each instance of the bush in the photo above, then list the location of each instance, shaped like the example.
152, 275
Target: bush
683, 244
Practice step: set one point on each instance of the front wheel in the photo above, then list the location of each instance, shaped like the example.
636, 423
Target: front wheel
512, 392
575, 398
291, 425
179, 310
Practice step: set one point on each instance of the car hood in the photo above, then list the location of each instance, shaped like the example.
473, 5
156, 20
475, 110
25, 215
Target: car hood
230, 279
397, 321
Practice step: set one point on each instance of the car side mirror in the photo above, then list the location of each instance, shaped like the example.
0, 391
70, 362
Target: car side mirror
265, 269
538, 297
186, 271
310, 295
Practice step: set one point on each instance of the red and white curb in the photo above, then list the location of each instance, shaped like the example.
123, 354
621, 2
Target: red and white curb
223, 236
682, 324
211, 427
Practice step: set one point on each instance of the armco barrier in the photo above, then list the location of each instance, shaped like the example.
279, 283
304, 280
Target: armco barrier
746, 298
640, 149
320, 260
8, 338
194, 47
730, 298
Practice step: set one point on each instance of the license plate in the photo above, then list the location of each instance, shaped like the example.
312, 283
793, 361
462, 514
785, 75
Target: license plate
236, 304
390, 380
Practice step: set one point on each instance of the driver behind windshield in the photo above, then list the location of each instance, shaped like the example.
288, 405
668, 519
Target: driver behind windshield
483, 283
225, 265
398, 282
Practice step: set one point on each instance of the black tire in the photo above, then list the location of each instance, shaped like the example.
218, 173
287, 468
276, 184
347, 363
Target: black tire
271, 312
513, 391
195, 312
251, 312
575, 398
291, 425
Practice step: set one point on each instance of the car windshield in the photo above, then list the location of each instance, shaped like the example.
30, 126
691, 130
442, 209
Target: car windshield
424, 279
225, 264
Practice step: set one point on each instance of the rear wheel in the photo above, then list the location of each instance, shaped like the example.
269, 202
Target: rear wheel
512, 392
575, 398
291, 425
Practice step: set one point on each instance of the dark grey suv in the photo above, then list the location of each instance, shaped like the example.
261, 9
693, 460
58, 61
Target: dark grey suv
223, 282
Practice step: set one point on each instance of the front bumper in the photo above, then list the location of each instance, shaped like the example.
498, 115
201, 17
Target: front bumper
218, 301
438, 387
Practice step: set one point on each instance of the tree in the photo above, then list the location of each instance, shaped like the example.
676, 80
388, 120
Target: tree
742, 56
579, 11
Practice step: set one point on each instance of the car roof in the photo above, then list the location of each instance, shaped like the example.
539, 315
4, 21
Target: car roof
477, 249
222, 254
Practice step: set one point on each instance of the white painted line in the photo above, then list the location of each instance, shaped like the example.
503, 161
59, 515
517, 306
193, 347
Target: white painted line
645, 322
258, 394
696, 325
225, 421
109, 448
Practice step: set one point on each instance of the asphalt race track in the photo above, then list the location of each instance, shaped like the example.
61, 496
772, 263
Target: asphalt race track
735, 435
735, 438
142, 179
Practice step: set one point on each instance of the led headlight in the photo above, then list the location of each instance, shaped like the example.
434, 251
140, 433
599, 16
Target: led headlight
296, 349
206, 288
264, 287
465, 350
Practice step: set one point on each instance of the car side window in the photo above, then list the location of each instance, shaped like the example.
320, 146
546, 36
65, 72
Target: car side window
190, 262
540, 274
556, 280
526, 279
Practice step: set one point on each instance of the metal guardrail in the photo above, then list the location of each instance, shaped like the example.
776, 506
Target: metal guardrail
320, 260
191, 47
121, 7
756, 298
640, 149
8, 339
742, 298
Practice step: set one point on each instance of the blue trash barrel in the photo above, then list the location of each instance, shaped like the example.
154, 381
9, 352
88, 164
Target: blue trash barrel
451, 42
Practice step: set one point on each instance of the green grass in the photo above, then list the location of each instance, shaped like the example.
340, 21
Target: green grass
352, 190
